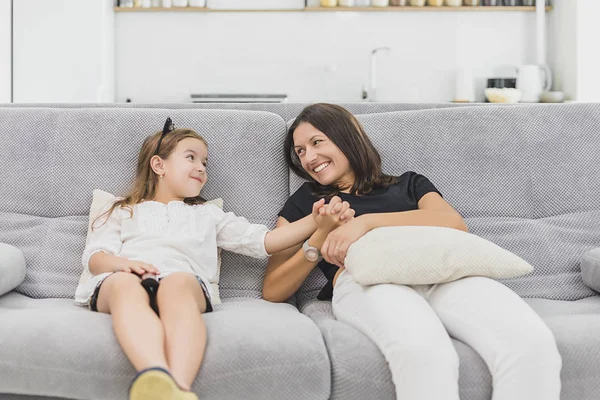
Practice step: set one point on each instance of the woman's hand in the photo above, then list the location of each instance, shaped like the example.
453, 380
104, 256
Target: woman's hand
135, 267
339, 240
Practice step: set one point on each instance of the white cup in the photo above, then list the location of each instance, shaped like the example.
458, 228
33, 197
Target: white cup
464, 90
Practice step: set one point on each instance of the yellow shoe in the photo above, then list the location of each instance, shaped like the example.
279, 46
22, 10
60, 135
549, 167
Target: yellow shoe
190, 396
157, 384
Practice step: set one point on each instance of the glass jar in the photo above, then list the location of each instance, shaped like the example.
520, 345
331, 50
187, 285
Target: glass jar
435, 3
362, 3
398, 3
417, 3
471, 3
328, 3
380, 3
346, 3
454, 3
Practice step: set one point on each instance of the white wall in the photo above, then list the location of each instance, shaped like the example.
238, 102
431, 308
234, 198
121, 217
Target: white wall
5, 51
574, 55
164, 57
588, 57
63, 51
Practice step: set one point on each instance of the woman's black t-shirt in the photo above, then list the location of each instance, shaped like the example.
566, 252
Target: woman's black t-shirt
401, 196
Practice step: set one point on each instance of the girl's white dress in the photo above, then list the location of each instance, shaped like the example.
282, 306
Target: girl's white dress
173, 237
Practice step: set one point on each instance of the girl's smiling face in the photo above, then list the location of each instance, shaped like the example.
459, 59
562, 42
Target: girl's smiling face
184, 171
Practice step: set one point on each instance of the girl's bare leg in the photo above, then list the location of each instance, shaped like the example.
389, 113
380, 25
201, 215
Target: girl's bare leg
181, 303
138, 329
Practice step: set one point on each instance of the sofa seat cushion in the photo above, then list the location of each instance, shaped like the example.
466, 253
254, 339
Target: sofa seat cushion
575, 325
256, 350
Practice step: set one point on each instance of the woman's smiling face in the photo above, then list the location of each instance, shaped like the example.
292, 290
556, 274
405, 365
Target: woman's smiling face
321, 158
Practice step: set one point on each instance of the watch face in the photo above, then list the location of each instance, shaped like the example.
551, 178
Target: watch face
311, 255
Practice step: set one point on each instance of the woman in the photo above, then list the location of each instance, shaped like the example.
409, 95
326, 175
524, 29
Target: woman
411, 325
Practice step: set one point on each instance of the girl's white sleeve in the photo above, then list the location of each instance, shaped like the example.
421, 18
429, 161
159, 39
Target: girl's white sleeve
106, 236
238, 235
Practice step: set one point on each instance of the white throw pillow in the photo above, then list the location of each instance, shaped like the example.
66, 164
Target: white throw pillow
422, 255
102, 199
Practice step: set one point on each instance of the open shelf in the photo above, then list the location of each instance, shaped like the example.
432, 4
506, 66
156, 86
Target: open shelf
425, 8
336, 9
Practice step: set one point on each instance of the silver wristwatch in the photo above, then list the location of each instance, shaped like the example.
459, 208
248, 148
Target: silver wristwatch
311, 253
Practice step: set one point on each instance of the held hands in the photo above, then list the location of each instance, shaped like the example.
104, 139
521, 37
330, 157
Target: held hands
332, 215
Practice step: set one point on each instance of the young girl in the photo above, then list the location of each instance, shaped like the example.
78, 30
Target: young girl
411, 325
162, 228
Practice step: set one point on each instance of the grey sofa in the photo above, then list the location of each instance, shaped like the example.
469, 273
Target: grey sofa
525, 177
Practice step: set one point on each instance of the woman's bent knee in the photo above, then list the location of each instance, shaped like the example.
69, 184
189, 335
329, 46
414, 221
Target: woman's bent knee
536, 350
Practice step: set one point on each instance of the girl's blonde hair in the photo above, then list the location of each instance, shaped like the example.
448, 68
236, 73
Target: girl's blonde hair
146, 180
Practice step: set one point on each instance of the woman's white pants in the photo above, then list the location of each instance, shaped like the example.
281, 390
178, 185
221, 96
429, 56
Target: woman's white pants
412, 326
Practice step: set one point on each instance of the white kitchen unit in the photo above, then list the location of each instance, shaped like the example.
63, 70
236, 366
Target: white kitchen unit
5, 51
63, 51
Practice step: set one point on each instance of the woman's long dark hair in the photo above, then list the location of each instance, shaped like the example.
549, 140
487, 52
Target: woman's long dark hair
342, 128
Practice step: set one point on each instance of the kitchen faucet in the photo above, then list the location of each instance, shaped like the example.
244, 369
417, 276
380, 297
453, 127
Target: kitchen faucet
372, 93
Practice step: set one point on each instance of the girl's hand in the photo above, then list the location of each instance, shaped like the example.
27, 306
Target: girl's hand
334, 214
338, 241
317, 206
320, 208
135, 267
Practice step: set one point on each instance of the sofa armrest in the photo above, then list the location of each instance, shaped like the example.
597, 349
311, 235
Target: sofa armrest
12, 267
590, 269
